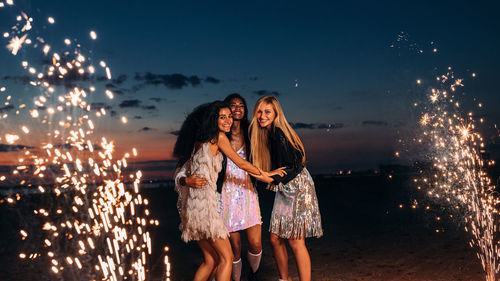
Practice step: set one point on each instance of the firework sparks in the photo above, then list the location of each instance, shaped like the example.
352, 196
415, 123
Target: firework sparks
16, 43
97, 226
93, 35
458, 177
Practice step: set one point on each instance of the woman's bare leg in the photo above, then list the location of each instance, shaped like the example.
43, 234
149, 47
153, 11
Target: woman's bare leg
223, 248
280, 255
210, 260
235, 239
254, 236
301, 258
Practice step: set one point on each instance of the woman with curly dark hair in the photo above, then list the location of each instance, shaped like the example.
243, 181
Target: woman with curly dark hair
199, 207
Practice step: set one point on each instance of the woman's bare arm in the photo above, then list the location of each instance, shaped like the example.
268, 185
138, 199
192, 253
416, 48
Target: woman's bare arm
226, 148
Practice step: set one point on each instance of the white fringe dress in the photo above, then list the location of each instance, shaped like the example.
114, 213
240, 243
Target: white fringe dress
199, 208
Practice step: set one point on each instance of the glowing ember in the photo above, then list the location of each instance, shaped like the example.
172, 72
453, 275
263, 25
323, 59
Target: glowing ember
93, 35
16, 44
11, 138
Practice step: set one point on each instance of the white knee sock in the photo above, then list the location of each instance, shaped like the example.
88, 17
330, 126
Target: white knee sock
254, 260
236, 273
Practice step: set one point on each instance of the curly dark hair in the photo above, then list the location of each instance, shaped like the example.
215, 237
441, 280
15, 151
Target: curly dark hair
187, 134
209, 129
244, 123
200, 126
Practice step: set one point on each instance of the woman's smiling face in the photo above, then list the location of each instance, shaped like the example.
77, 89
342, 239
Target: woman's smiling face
237, 108
225, 120
265, 115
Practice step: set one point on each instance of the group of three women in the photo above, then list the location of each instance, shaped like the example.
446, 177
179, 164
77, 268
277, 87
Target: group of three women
217, 197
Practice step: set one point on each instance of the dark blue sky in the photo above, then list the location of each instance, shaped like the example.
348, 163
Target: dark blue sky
338, 53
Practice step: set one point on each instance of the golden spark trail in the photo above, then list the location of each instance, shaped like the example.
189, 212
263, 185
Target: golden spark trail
95, 225
458, 175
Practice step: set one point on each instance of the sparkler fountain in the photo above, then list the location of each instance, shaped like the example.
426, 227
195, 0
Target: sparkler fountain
95, 226
458, 178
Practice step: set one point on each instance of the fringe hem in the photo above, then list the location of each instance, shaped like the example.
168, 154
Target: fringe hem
187, 237
275, 187
295, 228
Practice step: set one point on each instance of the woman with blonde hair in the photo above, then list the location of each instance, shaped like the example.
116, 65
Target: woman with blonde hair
295, 214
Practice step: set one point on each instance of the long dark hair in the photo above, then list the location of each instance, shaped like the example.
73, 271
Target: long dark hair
200, 126
187, 134
209, 129
244, 123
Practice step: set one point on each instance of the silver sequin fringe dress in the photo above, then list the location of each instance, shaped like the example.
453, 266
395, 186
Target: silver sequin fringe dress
296, 213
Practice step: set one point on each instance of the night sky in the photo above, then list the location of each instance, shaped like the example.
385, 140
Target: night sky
341, 74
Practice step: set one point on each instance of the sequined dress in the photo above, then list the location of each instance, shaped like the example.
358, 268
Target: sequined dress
199, 207
240, 202
295, 212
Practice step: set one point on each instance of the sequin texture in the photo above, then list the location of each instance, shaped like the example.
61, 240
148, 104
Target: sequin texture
295, 212
240, 202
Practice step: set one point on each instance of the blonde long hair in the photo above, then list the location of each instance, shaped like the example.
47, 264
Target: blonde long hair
259, 136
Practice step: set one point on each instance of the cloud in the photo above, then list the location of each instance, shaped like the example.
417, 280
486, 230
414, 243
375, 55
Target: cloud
130, 103
210, 79
99, 105
149, 107
6, 108
70, 80
173, 81
317, 126
115, 84
136, 104
68, 146
253, 78
175, 133
137, 117
267, 93
157, 99
146, 129
110, 86
9, 147
120, 79
120, 92
23, 79
374, 123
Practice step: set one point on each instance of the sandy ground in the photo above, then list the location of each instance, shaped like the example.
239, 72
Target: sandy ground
367, 237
